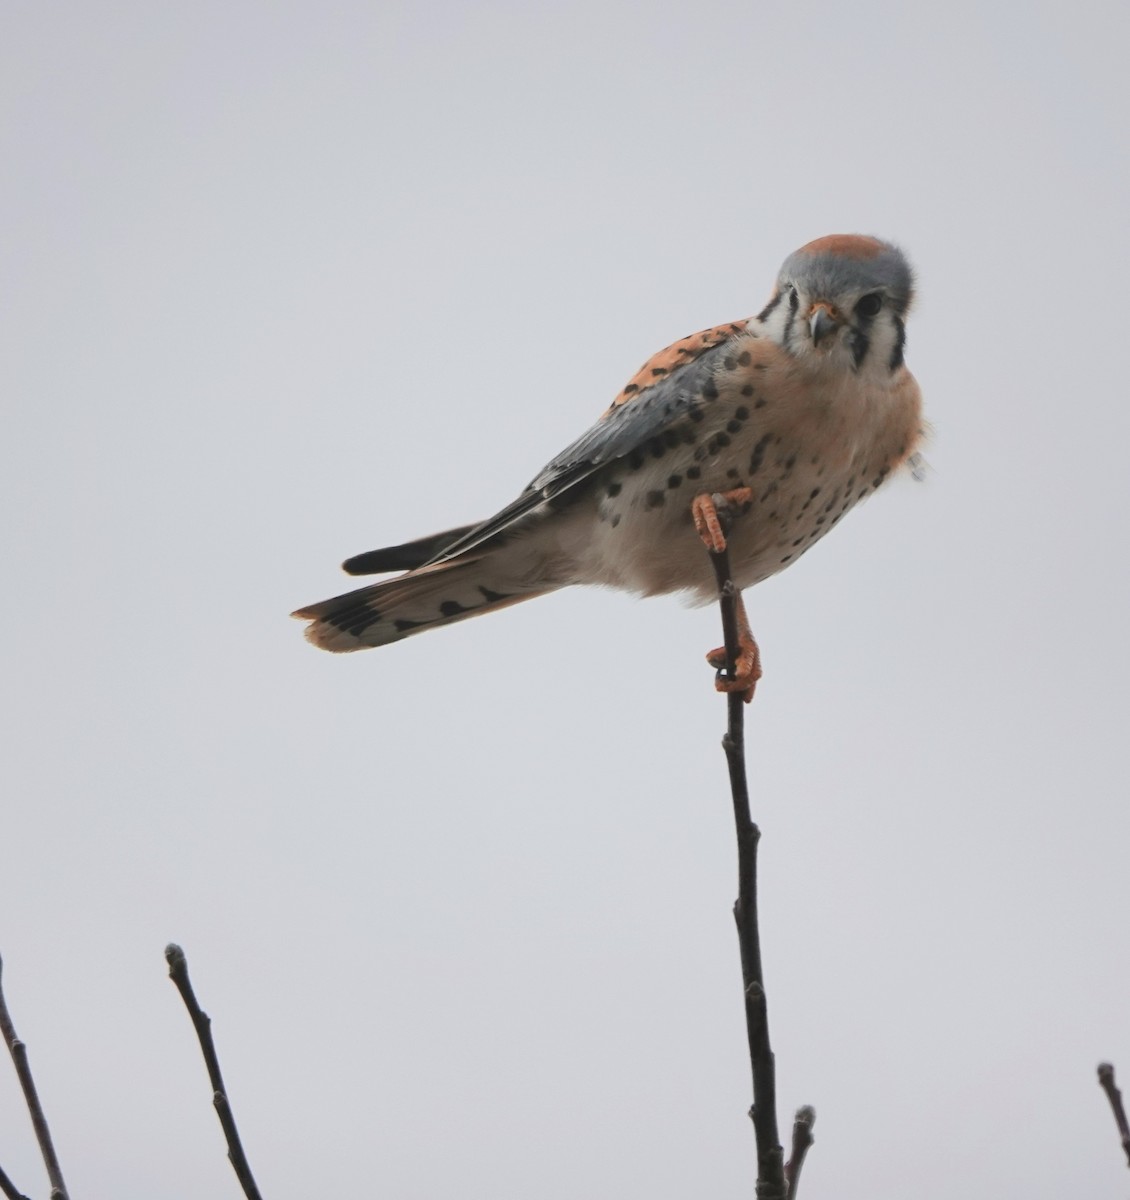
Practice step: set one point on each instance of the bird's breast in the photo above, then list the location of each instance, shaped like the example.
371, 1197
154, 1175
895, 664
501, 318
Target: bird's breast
808, 449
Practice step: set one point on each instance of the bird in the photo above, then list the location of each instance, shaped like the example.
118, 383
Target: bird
756, 436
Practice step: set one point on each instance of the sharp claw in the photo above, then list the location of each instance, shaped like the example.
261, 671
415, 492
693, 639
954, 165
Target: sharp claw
747, 670
717, 658
728, 686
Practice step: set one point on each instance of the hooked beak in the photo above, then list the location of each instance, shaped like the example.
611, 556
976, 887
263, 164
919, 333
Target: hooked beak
822, 320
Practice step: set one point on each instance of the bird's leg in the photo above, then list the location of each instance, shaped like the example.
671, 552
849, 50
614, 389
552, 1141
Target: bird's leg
708, 521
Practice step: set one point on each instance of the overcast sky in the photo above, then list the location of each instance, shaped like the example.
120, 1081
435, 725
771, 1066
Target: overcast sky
283, 283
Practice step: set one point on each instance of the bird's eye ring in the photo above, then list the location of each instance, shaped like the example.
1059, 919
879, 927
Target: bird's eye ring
869, 305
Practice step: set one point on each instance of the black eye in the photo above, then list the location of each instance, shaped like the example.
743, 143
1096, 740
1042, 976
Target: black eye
869, 305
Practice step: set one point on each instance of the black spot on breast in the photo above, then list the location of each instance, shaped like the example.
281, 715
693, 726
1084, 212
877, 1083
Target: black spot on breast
694, 473
741, 412
786, 558
747, 390
659, 370
492, 597
710, 390
734, 426
696, 414
657, 447
672, 437
744, 358
655, 499
635, 460
452, 608
758, 456
632, 387
728, 362
614, 489
615, 521
673, 481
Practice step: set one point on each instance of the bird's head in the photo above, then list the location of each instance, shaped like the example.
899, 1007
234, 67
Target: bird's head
841, 302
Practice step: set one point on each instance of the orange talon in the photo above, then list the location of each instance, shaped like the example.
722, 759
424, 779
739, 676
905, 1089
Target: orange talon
704, 509
747, 668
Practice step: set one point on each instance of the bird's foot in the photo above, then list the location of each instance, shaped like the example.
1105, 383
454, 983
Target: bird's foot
710, 509
747, 668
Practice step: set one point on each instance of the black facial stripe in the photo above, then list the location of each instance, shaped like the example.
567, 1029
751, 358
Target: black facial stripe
767, 311
860, 344
899, 347
794, 304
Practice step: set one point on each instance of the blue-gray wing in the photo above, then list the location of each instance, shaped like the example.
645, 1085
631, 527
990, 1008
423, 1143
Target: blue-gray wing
624, 429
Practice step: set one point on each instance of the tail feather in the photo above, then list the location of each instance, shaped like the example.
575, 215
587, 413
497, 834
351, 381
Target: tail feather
405, 557
422, 599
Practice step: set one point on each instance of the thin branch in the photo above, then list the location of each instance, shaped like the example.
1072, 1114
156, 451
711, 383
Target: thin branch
802, 1139
18, 1052
1106, 1082
11, 1192
770, 1156
178, 973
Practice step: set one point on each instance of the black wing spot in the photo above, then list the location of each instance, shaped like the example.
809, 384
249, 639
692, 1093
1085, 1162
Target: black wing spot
492, 597
403, 625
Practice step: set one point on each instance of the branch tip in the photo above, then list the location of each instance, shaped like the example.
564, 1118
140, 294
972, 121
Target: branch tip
1114, 1096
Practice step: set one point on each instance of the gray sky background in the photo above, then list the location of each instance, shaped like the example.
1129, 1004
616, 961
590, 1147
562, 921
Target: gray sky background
282, 283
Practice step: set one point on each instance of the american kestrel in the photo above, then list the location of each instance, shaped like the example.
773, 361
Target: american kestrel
782, 421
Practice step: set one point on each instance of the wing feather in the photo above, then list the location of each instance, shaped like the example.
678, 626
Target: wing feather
405, 557
634, 418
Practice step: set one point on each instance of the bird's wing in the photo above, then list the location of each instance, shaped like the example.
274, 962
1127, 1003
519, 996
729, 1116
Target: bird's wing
669, 385
405, 557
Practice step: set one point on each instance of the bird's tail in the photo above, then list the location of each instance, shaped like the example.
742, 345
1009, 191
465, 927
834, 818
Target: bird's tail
416, 601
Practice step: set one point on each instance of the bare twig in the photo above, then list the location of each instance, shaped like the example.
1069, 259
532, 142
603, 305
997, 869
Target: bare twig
770, 1156
11, 1192
1106, 1082
18, 1052
802, 1138
178, 973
